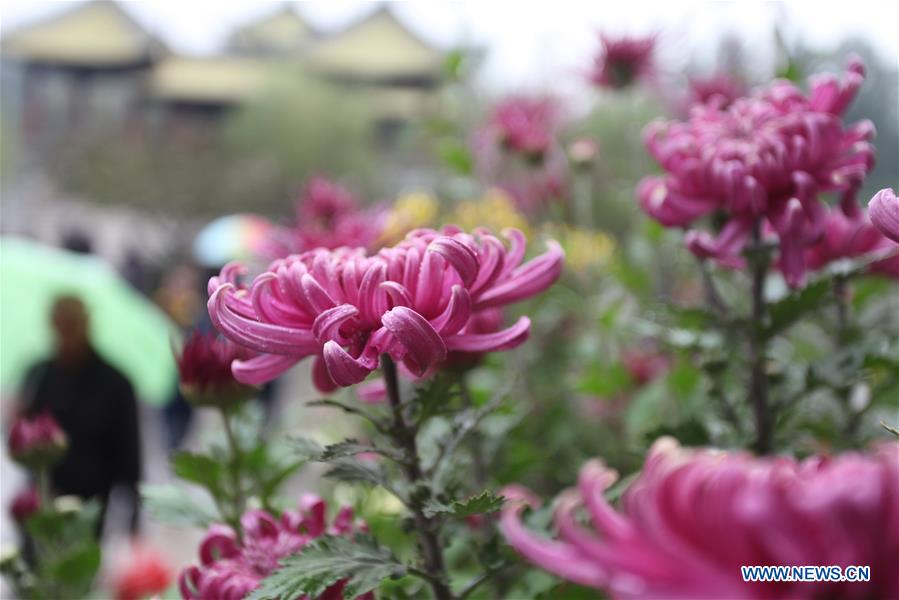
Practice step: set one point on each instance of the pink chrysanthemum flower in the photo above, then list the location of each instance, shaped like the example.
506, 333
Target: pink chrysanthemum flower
414, 301
525, 125
884, 212
37, 441
764, 159
851, 237
230, 568
623, 61
327, 216
694, 517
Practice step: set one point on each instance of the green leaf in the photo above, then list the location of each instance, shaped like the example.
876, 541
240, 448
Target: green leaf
353, 447
790, 309
200, 469
358, 471
360, 561
456, 156
76, 569
172, 504
483, 503
305, 448
892, 430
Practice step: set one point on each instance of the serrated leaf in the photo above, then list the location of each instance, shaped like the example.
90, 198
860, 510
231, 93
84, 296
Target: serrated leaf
483, 503
305, 448
353, 447
200, 469
359, 561
357, 471
173, 505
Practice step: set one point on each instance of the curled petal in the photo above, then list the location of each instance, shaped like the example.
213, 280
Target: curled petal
220, 542
397, 293
487, 342
517, 246
189, 583
327, 324
556, 557
258, 523
262, 369
314, 512
343, 368
456, 314
317, 296
320, 376
527, 280
883, 211
422, 344
459, 255
262, 337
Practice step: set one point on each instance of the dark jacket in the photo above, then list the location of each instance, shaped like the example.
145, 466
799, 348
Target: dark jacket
95, 406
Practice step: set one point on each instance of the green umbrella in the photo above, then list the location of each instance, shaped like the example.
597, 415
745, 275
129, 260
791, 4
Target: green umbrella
128, 330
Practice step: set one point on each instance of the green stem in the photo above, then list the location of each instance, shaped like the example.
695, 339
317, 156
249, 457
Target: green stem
759, 261
428, 530
43, 488
477, 440
234, 467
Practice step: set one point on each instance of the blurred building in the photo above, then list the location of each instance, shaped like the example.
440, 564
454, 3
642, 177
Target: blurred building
95, 68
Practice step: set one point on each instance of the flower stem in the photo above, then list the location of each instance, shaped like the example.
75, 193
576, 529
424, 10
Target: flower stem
477, 441
234, 467
428, 529
759, 261
43, 487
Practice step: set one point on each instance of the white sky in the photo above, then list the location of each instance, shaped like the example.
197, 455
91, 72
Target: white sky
529, 44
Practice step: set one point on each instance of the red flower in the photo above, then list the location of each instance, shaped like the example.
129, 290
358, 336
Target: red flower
146, 574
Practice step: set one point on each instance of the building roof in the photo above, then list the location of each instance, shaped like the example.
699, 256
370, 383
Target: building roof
282, 33
378, 47
94, 34
215, 80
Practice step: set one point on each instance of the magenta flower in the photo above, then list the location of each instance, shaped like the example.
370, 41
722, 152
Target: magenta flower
413, 301
24, 504
720, 90
230, 568
327, 216
694, 517
623, 61
525, 125
851, 237
764, 159
204, 366
37, 442
884, 212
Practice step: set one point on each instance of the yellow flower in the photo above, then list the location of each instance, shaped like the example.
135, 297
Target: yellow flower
495, 210
585, 249
411, 211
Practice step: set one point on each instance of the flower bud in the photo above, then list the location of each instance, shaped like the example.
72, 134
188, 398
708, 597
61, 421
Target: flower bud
204, 366
24, 504
37, 442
